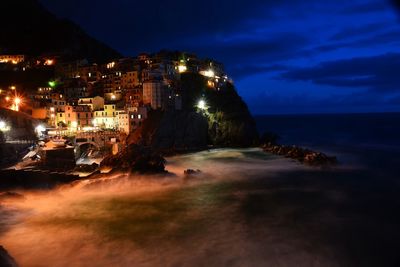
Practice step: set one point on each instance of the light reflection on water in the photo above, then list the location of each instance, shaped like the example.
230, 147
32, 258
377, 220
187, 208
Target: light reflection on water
246, 208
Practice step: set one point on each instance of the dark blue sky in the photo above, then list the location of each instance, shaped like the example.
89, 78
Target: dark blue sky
291, 56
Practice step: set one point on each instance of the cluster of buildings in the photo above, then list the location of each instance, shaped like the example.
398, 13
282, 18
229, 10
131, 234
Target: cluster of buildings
113, 96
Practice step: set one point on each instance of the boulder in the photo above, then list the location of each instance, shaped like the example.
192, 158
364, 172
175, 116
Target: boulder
190, 172
86, 168
136, 158
303, 155
5, 259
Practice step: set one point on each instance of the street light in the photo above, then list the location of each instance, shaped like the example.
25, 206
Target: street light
39, 130
182, 68
2, 125
202, 104
52, 84
17, 101
209, 73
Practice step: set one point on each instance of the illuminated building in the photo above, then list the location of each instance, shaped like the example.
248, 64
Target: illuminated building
107, 117
95, 103
153, 94
14, 59
130, 80
75, 116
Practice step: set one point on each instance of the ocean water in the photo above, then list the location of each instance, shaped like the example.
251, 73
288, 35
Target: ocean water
370, 139
246, 208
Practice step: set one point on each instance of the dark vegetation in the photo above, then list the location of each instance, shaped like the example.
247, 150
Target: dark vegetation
29, 80
34, 31
230, 122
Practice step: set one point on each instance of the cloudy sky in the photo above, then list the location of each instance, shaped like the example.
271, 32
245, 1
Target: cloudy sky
291, 56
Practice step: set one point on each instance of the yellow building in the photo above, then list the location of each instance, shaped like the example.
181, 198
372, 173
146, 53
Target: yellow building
106, 118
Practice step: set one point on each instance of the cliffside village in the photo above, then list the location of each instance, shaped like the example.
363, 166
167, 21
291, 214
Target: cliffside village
84, 99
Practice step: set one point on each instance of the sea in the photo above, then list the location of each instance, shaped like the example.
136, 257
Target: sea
245, 207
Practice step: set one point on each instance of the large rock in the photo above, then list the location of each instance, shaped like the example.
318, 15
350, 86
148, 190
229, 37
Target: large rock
226, 121
173, 131
181, 131
303, 155
5, 259
230, 122
135, 158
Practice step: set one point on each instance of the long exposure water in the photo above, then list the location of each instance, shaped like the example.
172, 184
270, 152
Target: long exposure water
246, 208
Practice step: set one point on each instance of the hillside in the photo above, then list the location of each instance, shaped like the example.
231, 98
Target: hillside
227, 122
28, 28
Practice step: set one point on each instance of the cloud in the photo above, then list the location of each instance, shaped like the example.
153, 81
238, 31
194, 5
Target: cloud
378, 73
244, 70
332, 103
149, 22
351, 32
258, 40
248, 55
367, 7
379, 39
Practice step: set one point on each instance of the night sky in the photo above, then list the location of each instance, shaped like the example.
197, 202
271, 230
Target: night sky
294, 56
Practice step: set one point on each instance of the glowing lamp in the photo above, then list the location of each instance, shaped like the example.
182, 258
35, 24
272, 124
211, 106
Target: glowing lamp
182, 68
2, 125
40, 129
201, 104
209, 73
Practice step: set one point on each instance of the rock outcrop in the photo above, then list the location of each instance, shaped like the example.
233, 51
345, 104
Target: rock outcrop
173, 131
136, 158
5, 259
303, 155
229, 120
226, 121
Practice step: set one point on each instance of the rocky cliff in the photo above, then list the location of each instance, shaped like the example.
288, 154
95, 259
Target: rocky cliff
226, 121
173, 131
5, 259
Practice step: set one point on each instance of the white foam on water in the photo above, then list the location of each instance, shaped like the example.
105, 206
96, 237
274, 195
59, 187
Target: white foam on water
65, 226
